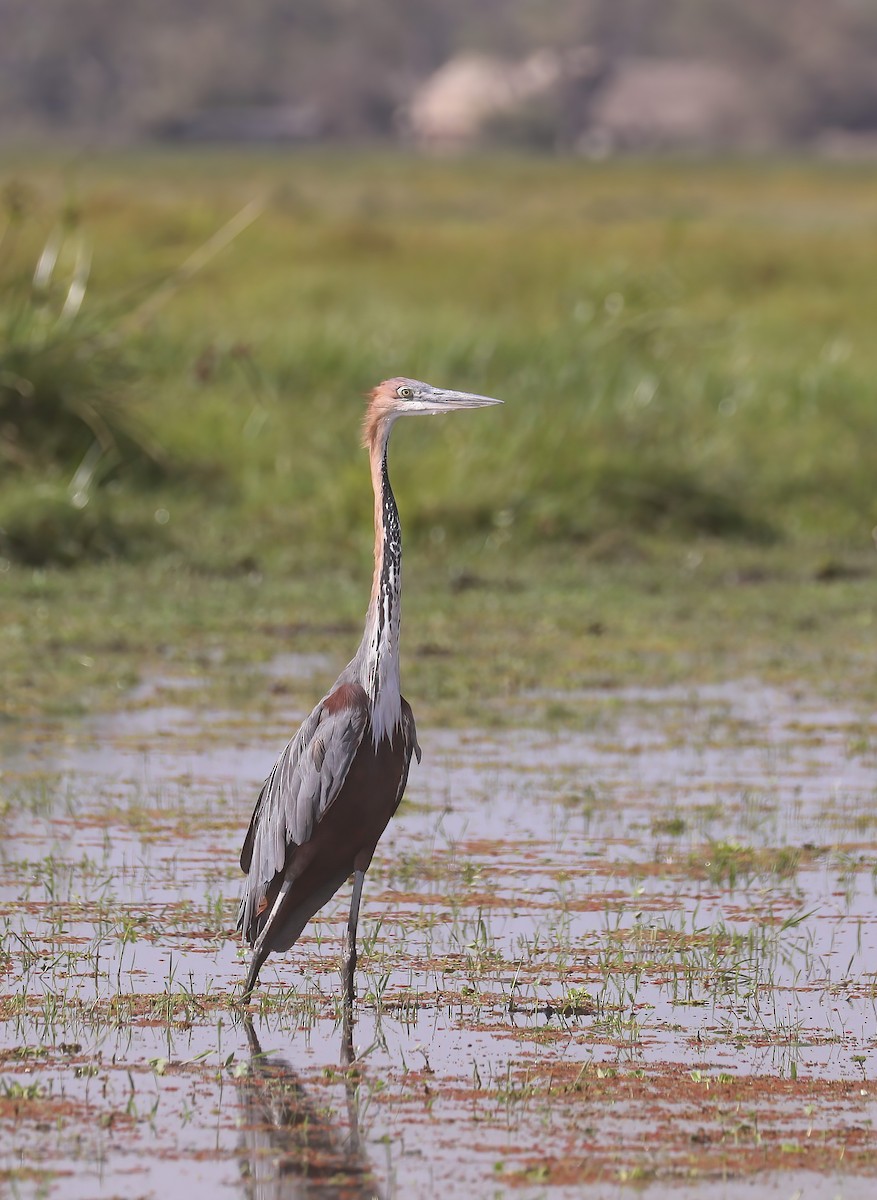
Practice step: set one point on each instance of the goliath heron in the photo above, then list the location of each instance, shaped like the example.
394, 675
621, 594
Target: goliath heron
335, 787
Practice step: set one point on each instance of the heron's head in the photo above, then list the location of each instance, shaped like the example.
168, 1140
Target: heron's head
402, 397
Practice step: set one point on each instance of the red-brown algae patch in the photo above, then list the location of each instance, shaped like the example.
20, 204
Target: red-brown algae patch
706, 1125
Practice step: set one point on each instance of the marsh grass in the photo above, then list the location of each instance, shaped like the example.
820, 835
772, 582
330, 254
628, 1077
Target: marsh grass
64, 374
682, 349
71, 368
66, 423
686, 362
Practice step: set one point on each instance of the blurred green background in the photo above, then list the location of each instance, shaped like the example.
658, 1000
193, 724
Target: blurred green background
684, 350
651, 231
681, 480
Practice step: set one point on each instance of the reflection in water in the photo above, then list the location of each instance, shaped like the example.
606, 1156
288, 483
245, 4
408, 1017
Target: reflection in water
292, 1149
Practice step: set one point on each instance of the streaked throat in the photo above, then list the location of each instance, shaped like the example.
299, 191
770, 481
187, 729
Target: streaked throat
381, 679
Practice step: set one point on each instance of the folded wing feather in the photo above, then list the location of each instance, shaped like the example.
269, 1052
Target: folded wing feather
305, 780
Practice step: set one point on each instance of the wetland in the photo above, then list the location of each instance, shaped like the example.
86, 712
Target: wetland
640, 950
621, 936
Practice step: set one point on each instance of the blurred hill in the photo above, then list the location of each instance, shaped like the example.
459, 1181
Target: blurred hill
787, 73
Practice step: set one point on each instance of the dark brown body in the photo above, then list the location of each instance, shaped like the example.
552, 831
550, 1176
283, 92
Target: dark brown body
345, 836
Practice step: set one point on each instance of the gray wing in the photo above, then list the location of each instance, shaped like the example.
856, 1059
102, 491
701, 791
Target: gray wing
411, 747
305, 780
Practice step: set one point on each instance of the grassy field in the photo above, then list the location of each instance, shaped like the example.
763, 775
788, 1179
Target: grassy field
681, 482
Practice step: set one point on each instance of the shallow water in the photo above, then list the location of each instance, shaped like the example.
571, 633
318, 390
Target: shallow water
636, 948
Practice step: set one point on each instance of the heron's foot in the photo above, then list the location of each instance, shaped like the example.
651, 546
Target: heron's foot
348, 1054
349, 992
252, 1036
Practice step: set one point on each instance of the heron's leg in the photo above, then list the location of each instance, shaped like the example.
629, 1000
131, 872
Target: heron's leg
350, 940
260, 953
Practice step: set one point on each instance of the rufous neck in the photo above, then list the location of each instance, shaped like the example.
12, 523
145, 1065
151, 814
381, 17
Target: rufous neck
379, 655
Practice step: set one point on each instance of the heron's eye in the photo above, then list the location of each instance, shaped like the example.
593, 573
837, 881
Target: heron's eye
404, 393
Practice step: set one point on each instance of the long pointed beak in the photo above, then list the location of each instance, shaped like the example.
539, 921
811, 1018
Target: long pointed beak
441, 401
